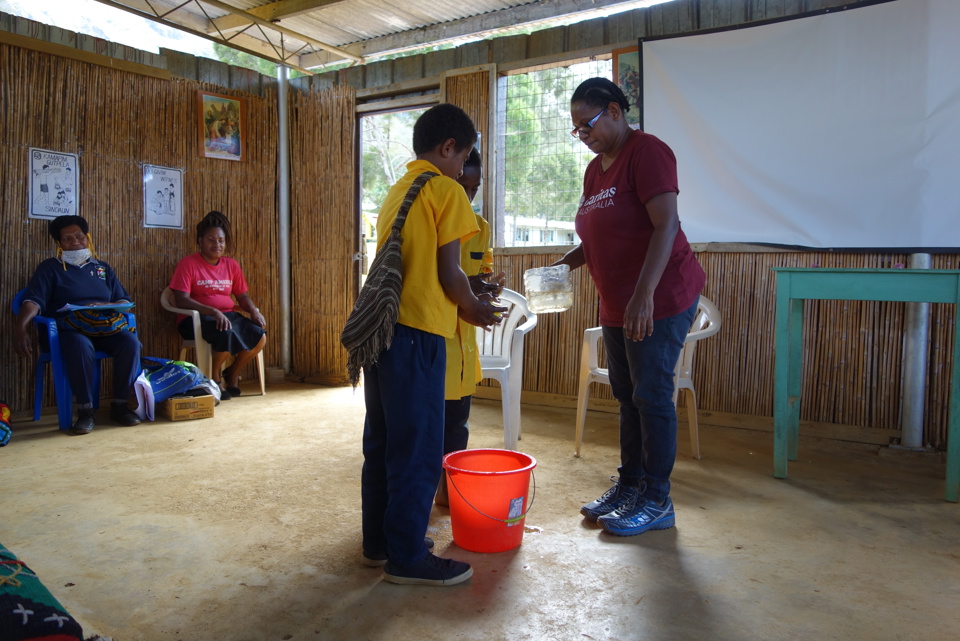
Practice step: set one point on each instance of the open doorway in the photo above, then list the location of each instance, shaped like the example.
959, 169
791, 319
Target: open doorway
386, 146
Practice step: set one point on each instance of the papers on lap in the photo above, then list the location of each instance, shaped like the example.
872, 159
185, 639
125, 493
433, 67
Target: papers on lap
121, 306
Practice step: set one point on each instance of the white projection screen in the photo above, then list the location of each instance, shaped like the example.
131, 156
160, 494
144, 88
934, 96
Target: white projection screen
839, 130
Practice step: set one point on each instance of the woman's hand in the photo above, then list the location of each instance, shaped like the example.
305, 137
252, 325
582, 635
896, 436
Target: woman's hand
21, 341
638, 317
258, 318
223, 323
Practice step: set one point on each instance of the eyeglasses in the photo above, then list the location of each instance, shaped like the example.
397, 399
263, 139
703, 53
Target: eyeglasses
589, 126
77, 237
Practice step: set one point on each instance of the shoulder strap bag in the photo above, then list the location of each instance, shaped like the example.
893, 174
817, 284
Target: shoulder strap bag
369, 328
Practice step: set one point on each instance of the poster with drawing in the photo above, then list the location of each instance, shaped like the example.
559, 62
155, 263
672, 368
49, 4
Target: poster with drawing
162, 197
54, 185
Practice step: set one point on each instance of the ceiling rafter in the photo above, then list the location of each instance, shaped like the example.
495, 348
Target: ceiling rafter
274, 12
162, 11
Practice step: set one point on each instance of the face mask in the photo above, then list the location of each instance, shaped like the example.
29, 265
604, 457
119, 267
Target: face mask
76, 257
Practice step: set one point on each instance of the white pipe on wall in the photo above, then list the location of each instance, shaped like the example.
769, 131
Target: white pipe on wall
283, 211
916, 345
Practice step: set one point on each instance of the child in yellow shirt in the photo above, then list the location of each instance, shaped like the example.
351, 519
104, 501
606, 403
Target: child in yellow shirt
404, 390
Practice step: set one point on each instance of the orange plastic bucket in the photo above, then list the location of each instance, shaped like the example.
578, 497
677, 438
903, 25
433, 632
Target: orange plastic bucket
488, 497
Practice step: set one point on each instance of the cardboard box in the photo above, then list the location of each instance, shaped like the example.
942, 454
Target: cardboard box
185, 408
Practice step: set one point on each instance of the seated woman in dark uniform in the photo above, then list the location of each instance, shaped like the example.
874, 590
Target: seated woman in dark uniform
205, 281
76, 276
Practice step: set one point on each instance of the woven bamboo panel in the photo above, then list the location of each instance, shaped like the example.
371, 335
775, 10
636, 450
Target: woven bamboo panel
117, 121
324, 229
852, 349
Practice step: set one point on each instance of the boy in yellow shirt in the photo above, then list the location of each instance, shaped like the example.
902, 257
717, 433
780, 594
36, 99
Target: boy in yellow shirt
404, 390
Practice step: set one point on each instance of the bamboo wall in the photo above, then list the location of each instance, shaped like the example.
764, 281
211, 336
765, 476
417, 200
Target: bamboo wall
324, 229
852, 349
116, 121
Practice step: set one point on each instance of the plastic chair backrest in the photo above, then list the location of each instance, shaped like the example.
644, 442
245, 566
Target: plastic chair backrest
706, 323
498, 341
203, 358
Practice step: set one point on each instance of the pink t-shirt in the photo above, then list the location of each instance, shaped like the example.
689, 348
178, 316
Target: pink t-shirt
209, 284
613, 224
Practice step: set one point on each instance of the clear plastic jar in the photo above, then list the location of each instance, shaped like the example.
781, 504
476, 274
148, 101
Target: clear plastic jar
548, 289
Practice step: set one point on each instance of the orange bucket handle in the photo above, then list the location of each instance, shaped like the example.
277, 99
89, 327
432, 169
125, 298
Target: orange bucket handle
515, 519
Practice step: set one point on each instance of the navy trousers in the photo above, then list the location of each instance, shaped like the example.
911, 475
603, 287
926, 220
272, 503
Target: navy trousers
402, 444
456, 432
79, 361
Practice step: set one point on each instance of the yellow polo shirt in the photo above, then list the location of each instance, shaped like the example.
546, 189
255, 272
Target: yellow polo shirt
463, 361
439, 215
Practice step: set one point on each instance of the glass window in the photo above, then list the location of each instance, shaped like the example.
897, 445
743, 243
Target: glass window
540, 180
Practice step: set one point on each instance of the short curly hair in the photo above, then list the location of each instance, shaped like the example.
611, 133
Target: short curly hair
442, 122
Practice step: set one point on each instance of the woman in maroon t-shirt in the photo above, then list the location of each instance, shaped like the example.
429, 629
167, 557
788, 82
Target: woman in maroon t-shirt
649, 283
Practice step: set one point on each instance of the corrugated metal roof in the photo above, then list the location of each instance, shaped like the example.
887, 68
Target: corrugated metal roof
312, 33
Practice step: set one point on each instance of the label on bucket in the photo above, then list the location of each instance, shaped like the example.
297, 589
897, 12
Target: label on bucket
516, 511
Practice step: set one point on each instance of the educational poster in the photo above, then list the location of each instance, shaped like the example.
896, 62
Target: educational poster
162, 197
54, 185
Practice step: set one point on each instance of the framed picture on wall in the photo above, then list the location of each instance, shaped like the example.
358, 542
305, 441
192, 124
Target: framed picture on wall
162, 197
626, 73
221, 126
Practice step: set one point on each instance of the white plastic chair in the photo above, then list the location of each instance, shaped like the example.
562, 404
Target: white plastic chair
201, 347
501, 358
705, 323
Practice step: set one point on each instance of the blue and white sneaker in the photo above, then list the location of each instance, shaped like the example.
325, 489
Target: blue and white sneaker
614, 498
643, 515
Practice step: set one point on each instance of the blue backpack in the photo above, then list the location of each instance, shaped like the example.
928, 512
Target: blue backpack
169, 378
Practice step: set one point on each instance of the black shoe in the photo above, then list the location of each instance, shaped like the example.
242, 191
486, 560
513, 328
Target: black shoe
432, 570
84, 423
121, 414
379, 559
225, 395
233, 391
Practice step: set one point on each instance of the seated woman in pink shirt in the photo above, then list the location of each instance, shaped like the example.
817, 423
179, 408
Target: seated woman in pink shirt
205, 281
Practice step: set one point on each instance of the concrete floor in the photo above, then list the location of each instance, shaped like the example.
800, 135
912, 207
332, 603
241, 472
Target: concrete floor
246, 527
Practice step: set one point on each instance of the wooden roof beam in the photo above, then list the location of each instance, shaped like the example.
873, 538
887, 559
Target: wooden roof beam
273, 12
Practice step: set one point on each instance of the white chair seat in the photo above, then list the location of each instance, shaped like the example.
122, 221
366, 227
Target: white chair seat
204, 356
501, 358
706, 323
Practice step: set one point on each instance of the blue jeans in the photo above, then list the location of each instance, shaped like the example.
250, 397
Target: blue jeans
641, 378
402, 444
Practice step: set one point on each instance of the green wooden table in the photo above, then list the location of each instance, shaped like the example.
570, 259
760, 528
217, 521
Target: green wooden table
794, 285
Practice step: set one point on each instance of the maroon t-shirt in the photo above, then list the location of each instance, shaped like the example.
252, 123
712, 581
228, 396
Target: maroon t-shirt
615, 229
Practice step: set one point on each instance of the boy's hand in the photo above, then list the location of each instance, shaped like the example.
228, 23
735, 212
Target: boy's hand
482, 314
488, 284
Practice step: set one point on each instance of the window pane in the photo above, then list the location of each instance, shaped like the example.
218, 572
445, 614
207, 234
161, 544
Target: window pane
542, 176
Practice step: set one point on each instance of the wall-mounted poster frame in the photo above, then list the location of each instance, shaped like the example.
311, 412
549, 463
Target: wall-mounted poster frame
54, 180
162, 197
222, 126
627, 73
